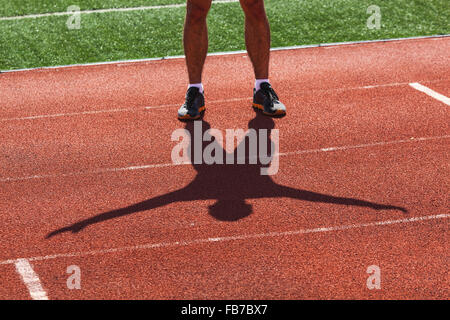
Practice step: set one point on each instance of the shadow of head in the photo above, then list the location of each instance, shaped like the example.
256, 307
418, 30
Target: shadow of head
230, 209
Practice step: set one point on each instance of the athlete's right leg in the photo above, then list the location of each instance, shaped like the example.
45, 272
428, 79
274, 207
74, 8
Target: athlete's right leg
195, 41
195, 38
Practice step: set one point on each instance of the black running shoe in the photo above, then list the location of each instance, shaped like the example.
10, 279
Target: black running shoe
266, 101
194, 106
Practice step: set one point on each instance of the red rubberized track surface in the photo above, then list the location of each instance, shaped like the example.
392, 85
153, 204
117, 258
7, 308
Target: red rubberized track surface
78, 143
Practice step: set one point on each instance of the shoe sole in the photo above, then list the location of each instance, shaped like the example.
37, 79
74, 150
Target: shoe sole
259, 108
188, 118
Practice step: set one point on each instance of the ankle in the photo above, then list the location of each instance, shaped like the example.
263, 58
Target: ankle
196, 85
258, 83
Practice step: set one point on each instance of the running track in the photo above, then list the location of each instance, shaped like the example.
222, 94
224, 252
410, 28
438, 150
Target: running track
81, 141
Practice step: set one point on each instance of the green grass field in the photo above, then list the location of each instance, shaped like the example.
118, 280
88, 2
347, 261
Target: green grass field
46, 41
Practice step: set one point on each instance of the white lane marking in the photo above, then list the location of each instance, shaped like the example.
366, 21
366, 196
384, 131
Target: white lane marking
366, 145
57, 115
31, 279
162, 165
430, 92
232, 238
226, 53
386, 85
163, 106
97, 171
93, 112
395, 84
143, 8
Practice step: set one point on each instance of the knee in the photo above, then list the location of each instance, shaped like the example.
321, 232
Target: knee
197, 11
254, 9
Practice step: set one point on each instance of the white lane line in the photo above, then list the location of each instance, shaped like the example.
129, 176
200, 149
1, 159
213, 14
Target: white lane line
232, 238
31, 279
163, 106
430, 92
386, 85
383, 85
366, 145
166, 6
97, 171
58, 115
93, 112
162, 165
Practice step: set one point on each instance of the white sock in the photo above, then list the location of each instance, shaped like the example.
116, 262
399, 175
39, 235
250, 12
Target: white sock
258, 83
196, 85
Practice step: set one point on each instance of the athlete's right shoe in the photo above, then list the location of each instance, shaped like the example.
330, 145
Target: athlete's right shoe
194, 106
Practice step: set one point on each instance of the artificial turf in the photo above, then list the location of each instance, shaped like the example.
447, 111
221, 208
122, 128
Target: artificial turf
46, 41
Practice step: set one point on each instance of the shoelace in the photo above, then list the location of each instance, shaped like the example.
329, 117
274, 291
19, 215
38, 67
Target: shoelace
190, 97
268, 91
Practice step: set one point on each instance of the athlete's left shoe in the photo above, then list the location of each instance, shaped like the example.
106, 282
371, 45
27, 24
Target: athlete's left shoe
266, 101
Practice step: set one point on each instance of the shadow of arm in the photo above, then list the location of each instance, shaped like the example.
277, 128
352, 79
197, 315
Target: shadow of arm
153, 203
319, 197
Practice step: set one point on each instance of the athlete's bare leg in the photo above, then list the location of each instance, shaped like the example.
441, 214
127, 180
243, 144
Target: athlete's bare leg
195, 38
257, 36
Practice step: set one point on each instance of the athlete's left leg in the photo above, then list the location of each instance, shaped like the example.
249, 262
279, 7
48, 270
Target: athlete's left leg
257, 36
257, 41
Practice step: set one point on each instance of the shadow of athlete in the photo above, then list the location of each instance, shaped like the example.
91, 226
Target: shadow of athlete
229, 184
